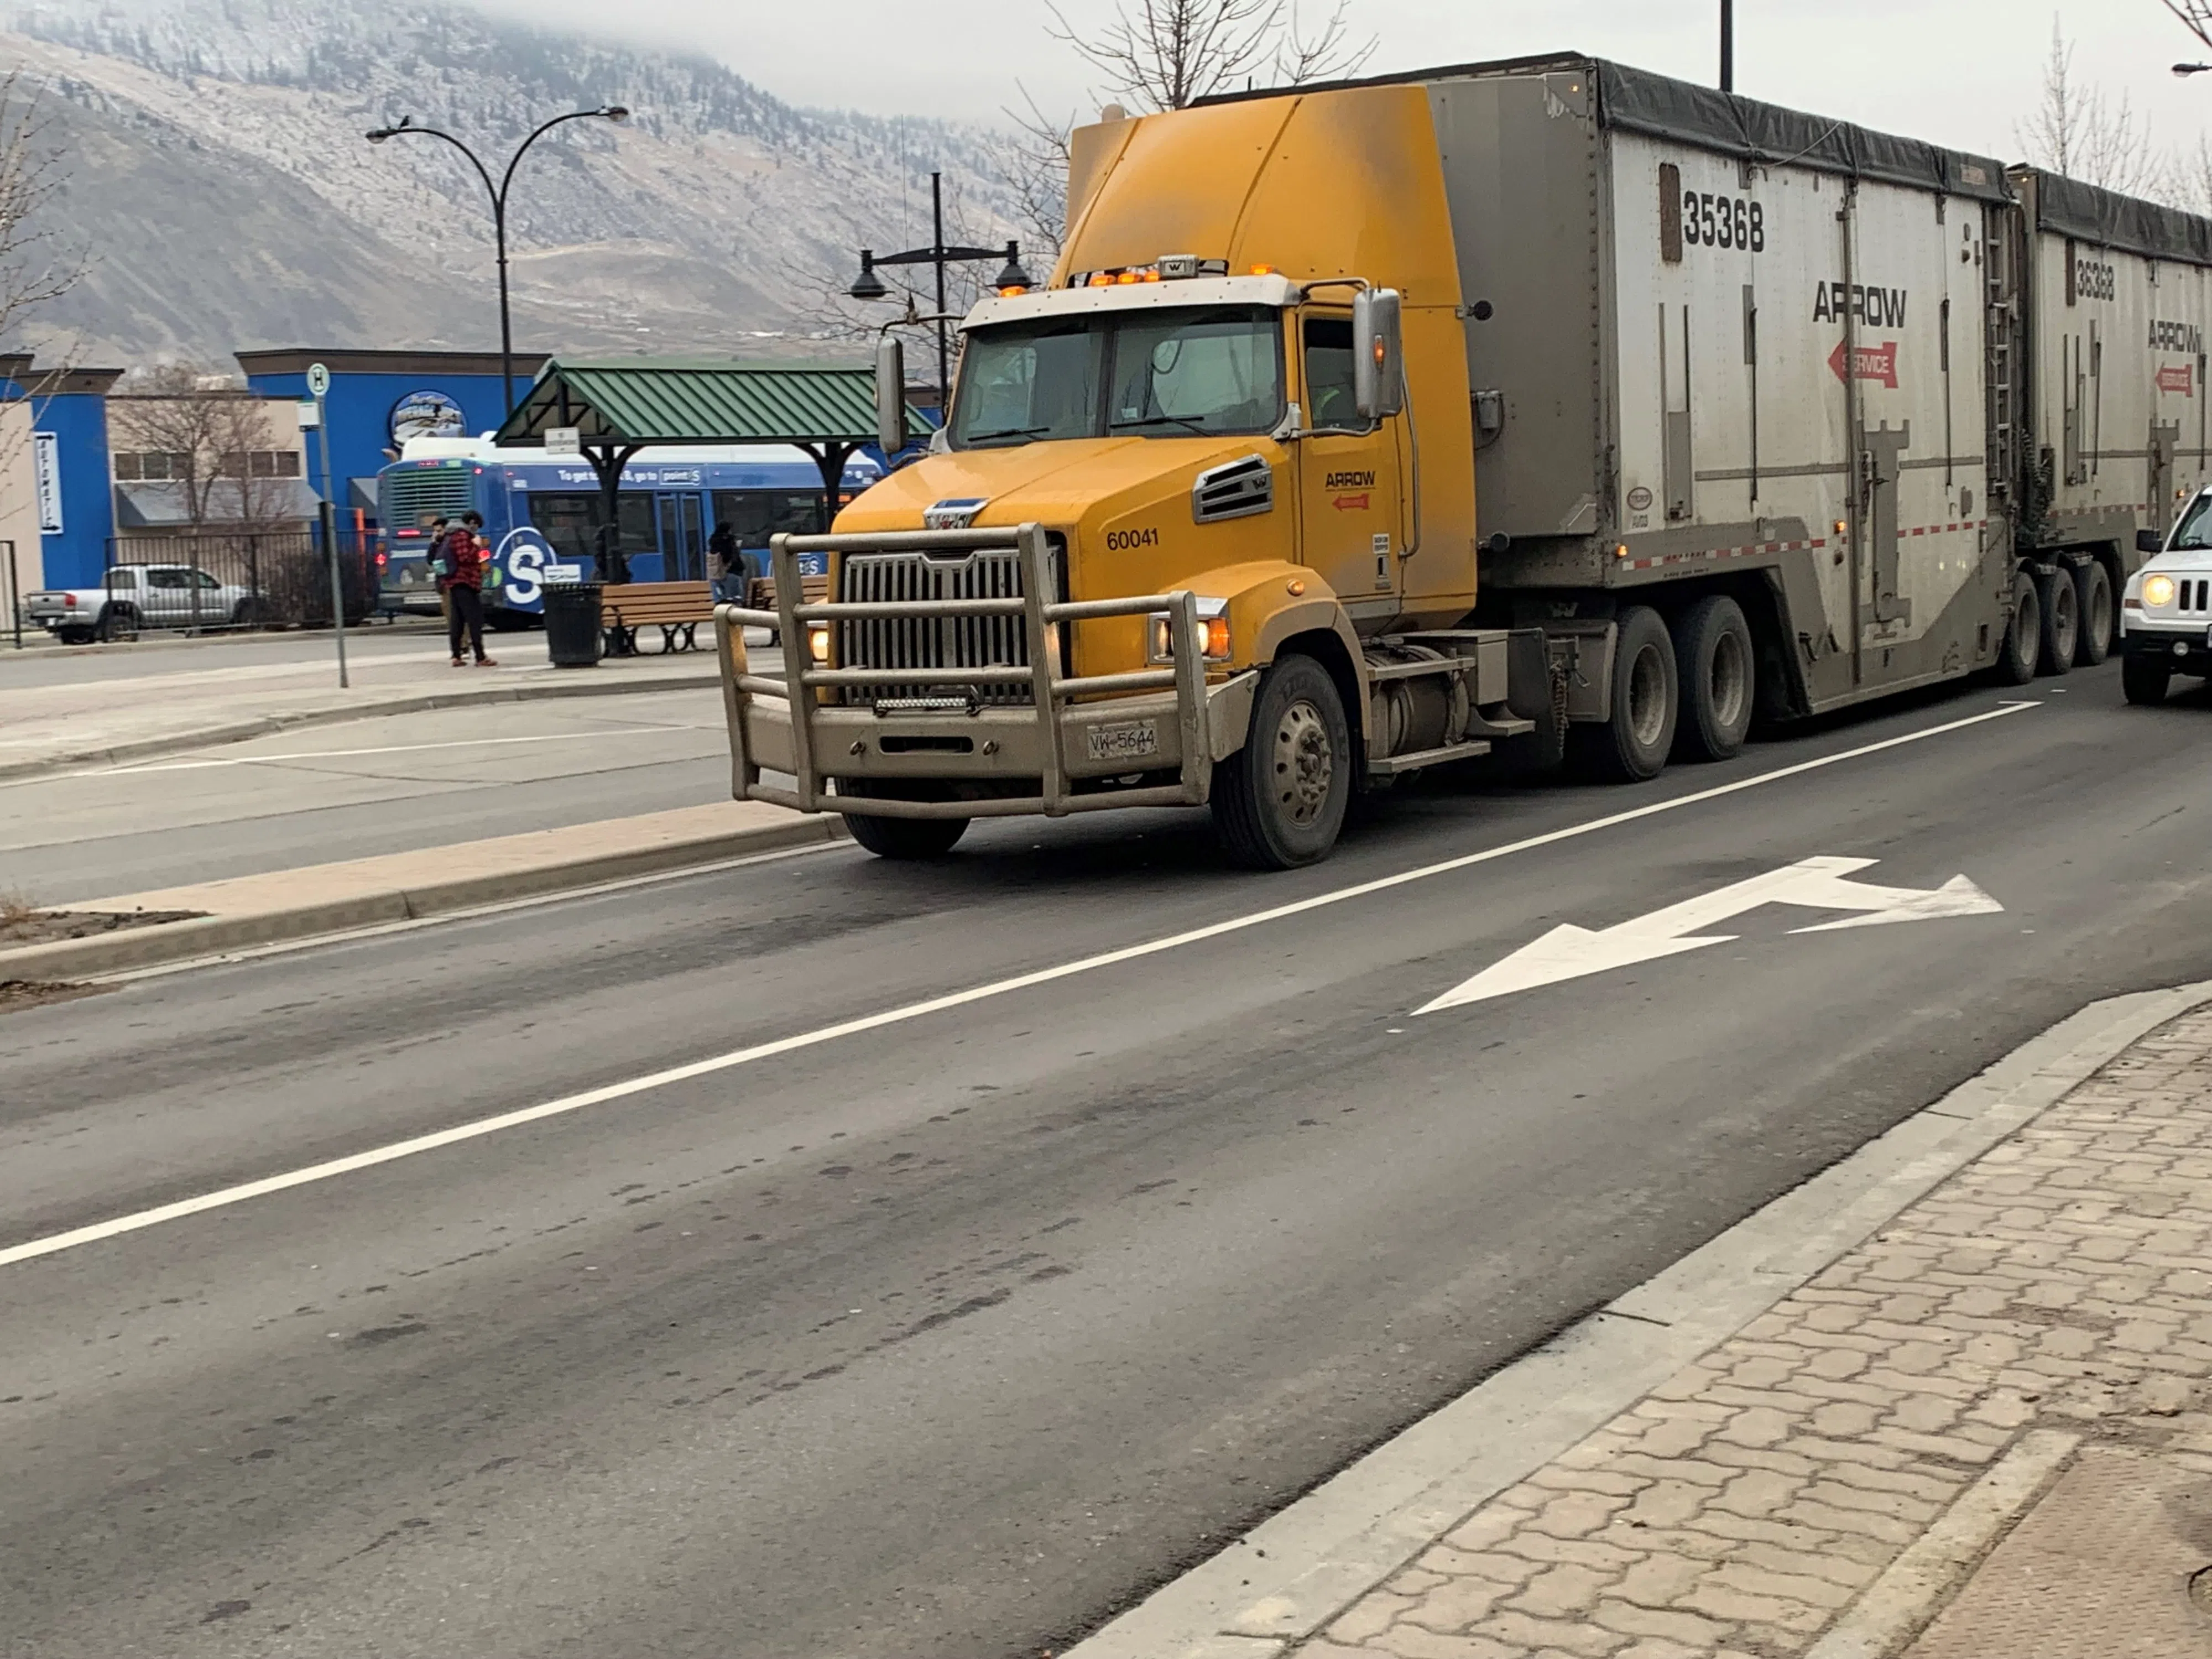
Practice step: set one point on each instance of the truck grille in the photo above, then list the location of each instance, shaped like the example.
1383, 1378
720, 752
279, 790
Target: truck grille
951, 643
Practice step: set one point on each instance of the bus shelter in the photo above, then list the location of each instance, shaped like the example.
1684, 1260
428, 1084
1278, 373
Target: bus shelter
618, 408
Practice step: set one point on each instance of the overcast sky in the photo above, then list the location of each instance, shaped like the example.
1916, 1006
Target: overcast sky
1961, 72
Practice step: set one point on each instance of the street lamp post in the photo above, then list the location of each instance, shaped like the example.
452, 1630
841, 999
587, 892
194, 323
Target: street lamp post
869, 286
498, 194
1727, 45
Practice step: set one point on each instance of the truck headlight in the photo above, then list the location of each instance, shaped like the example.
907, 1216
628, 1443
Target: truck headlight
817, 643
2158, 591
1213, 634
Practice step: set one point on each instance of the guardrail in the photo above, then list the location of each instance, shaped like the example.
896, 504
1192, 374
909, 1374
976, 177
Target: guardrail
1054, 695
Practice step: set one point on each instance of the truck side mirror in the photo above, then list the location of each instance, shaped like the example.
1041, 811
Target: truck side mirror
2150, 541
1379, 368
891, 395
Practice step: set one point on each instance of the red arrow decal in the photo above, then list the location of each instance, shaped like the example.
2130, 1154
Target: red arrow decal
1867, 363
1350, 504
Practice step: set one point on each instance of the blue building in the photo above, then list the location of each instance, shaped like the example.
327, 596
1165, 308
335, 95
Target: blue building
69, 438
379, 399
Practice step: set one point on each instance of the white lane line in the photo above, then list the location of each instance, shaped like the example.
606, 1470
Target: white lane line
383, 749
482, 1126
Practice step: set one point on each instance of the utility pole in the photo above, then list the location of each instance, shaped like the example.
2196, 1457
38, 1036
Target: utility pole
1727, 45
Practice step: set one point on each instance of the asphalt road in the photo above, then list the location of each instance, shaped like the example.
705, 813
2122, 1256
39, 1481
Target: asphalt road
945, 1336
355, 789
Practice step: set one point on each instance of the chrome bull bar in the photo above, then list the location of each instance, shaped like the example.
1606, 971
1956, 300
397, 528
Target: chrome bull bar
1146, 721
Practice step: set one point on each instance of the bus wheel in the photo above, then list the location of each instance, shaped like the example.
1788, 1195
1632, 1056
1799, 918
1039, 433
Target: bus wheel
2092, 587
1279, 802
1713, 668
2062, 622
2023, 636
1632, 744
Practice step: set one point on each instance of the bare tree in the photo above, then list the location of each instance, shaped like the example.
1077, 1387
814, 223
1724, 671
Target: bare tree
2077, 132
210, 442
1154, 55
1166, 54
35, 266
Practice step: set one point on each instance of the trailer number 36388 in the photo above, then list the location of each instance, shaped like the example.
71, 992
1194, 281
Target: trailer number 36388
1713, 221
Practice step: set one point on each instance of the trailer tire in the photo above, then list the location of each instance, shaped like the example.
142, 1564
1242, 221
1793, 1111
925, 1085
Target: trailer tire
1632, 744
899, 838
1279, 801
2092, 588
2023, 637
2144, 679
2062, 622
1717, 674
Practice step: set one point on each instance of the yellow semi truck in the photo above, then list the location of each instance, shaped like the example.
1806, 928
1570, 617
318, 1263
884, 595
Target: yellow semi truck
1713, 396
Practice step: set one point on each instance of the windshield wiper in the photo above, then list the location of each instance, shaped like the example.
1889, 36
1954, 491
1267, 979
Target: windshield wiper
1005, 431
1161, 420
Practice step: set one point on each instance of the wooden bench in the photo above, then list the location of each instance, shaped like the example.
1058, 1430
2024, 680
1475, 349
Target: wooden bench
760, 592
675, 608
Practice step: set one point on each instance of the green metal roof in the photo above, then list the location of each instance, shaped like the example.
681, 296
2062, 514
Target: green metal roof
646, 400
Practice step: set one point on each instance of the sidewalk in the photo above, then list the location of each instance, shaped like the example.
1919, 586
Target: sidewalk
117, 717
1986, 1433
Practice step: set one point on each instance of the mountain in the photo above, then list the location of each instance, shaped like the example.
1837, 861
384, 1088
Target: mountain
220, 183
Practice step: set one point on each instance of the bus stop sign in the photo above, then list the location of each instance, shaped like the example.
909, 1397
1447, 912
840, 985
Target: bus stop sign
318, 381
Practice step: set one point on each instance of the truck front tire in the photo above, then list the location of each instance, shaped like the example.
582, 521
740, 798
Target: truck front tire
1632, 744
899, 838
1714, 667
1279, 802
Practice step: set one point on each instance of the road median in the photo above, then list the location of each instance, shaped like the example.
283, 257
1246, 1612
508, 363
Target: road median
283, 905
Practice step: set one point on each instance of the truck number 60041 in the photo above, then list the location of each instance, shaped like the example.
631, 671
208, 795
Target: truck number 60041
1723, 220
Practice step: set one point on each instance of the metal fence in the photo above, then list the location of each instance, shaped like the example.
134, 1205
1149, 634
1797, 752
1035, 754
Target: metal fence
245, 578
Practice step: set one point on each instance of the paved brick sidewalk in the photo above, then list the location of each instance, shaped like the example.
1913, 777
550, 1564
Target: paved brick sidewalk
2058, 1290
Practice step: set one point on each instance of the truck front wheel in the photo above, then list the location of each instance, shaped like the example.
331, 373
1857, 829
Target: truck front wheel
1631, 745
899, 838
1279, 802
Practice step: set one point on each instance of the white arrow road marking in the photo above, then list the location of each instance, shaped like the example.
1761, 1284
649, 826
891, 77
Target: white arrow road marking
1569, 951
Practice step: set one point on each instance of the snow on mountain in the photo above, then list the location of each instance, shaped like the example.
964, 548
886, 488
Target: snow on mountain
221, 183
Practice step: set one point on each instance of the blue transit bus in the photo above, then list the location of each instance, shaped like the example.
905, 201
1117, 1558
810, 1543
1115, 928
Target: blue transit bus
540, 512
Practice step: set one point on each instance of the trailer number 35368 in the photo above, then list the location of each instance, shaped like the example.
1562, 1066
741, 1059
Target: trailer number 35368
1713, 221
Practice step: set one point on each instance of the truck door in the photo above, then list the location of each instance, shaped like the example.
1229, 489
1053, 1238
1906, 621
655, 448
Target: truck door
1351, 501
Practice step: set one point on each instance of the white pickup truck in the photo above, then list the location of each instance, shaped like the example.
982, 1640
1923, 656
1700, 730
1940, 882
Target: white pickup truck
133, 596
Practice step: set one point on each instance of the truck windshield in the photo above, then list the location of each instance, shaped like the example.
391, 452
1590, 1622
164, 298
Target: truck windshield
1153, 374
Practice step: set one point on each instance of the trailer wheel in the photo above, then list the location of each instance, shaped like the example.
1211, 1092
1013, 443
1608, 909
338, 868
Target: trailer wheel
899, 838
2144, 679
1717, 680
1279, 802
1632, 744
2092, 588
2023, 638
2062, 622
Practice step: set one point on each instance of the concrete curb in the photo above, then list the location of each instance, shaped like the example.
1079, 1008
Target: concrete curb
413, 703
1294, 1572
181, 941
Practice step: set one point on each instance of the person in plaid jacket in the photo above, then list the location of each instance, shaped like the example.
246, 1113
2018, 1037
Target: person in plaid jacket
462, 583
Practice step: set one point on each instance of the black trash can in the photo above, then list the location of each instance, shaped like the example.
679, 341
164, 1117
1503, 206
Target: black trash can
571, 623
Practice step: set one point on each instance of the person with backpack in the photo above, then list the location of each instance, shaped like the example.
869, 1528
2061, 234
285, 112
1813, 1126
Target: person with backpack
727, 569
462, 585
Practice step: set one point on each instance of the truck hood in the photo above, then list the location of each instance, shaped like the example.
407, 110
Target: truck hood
1058, 483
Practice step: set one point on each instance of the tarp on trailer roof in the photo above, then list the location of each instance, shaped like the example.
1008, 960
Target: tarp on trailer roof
651, 401
1660, 107
2067, 207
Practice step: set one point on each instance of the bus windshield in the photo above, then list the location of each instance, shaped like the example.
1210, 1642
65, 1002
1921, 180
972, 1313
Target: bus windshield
1208, 370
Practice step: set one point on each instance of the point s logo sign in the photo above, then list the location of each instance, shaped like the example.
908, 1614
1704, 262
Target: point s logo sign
1866, 363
